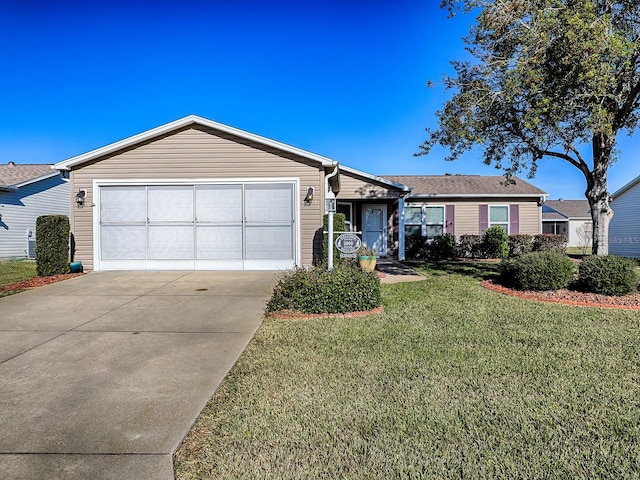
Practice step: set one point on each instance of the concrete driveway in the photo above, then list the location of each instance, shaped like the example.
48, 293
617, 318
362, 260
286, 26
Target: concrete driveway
101, 376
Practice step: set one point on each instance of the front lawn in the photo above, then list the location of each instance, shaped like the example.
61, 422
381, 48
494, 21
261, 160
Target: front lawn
15, 271
451, 381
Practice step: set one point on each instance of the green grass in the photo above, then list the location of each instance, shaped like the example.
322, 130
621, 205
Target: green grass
15, 271
452, 381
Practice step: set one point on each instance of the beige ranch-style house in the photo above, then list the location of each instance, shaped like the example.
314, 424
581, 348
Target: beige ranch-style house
195, 194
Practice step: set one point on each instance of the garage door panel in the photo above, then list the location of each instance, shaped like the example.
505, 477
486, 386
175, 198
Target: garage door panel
123, 204
170, 203
123, 242
219, 203
269, 203
219, 242
269, 243
169, 242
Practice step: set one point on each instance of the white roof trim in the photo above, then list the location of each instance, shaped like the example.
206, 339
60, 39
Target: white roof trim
626, 187
184, 122
375, 178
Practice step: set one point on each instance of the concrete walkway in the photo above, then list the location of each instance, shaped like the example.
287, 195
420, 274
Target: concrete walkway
396, 272
101, 376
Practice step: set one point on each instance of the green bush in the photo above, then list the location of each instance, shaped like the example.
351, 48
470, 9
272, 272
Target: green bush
344, 289
520, 244
548, 242
444, 247
537, 271
416, 248
339, 225
470, 246
495, 242
52, 245
607, 275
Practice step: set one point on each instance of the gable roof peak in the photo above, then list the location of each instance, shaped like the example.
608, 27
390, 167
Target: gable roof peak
183, 122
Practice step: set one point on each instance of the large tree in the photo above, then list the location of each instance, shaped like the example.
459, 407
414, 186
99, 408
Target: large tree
547, 78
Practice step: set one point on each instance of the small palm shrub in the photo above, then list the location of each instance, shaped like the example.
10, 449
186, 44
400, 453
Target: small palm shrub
537, 271
495, 242
344, 289
607, 275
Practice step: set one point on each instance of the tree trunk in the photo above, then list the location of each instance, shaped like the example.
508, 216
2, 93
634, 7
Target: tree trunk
597, 193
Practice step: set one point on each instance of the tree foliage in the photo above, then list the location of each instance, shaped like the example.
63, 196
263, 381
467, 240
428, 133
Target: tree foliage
547, 78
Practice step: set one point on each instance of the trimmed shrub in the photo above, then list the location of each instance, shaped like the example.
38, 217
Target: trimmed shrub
344, 289
495, 242
470, 246
416, 248
444, 247
52, 245
548, 242
339, 225
607, 275
537, 271
520, 244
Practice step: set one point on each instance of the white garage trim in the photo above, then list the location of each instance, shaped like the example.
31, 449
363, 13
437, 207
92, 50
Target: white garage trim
185, 252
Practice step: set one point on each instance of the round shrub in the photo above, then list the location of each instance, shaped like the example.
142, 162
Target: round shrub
495, 242
344, 289
537, 271
608, 275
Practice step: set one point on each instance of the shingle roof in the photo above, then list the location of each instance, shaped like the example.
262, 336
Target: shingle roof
13, 174
566, 209
466, 185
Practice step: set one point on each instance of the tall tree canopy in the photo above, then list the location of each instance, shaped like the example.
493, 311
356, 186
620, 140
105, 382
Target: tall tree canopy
548, 77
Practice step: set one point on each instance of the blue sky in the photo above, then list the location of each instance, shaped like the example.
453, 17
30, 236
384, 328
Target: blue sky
346, 79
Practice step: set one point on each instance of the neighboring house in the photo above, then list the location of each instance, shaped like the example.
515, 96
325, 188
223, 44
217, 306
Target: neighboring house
569, 218
27, 192
197, 194
624, 229
469, 204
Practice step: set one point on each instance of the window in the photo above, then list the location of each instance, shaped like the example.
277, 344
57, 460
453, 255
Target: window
499, 215
426, 221
345, 208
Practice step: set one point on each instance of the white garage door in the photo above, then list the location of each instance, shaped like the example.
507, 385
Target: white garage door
203, 227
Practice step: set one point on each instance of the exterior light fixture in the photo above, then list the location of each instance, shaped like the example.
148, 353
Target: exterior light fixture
80, 196
309, 197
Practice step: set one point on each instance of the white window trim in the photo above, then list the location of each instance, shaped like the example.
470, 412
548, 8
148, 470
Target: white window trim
491, 224
423, 218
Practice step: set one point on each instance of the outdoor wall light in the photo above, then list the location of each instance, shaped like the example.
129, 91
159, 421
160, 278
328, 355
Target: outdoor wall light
309, 196
80, 196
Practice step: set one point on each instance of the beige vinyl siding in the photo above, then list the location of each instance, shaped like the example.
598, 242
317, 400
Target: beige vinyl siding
467, 220
530, 218
353, 187
197, 154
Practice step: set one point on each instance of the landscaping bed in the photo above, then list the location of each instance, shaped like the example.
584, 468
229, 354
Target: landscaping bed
38, 282
571, 297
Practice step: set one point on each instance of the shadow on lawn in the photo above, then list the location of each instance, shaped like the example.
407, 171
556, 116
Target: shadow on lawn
476, 269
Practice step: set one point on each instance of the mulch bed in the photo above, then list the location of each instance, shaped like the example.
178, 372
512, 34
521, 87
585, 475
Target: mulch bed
295, 315
572, 297
38, 282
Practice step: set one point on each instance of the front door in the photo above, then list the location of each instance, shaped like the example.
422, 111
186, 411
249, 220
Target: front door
374, 228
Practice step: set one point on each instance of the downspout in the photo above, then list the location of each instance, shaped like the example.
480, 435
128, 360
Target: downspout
330, 207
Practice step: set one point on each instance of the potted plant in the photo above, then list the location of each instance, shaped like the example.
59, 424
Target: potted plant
367, 258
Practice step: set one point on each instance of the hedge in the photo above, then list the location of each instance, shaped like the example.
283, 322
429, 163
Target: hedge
52, 245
